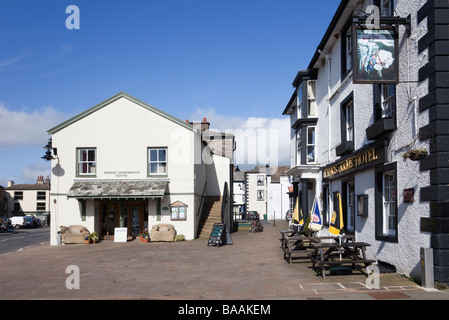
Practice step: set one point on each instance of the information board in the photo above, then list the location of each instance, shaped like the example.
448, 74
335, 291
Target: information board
120, 234
216, 235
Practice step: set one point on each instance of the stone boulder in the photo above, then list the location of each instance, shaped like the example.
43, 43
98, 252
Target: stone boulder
74, 234
162, 233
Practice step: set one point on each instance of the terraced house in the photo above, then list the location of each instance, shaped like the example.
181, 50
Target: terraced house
124, 163
369, 119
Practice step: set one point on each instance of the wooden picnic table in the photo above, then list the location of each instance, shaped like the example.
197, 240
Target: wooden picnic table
299, 243
337, 254
292, 233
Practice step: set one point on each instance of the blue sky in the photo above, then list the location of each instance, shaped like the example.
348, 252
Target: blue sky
232, 61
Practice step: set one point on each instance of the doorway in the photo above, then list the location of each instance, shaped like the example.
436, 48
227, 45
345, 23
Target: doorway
132, 215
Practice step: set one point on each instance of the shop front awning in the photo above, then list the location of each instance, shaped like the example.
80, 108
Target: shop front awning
119, 189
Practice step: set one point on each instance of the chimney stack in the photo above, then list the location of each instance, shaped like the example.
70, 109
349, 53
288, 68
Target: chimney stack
10, 183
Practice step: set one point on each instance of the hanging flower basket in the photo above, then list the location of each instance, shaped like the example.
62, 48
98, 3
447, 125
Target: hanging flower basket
415, 154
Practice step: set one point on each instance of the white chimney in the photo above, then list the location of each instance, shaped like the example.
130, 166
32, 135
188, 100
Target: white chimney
10, 183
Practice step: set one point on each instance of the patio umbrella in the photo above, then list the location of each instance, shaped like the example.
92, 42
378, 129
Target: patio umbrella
335, 228
337, 217
297, 218
316, 223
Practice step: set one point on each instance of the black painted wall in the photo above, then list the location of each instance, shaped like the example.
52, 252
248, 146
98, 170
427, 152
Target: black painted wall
437, 131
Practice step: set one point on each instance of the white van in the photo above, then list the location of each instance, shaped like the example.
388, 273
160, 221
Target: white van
18, 222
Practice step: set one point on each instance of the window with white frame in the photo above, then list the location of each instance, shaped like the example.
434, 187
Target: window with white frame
350, 205
349, 121
298, 147
388, 99
299, 103
260, 195
87, 161
40, 206
346, 49
389, 203
311, 97
311, 145
157, 161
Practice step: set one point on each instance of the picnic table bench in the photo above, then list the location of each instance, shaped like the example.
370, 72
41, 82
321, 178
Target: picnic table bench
338, 254
292, 233
301, 242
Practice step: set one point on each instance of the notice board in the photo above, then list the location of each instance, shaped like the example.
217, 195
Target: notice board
217, 234
120, 234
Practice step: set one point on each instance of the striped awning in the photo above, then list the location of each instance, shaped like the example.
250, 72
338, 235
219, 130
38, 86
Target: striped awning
118, 189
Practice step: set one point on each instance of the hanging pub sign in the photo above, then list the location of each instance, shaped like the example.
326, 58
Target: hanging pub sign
375, 55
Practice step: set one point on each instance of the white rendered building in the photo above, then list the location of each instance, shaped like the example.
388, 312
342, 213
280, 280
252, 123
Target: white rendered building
124, 163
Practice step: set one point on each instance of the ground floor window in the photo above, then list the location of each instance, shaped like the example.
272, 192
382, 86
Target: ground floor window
386, 203
326, 205
350, 205
178, 211
389, 203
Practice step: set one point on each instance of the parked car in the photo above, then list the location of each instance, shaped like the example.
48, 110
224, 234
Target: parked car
18, 222
5, 225
30, 222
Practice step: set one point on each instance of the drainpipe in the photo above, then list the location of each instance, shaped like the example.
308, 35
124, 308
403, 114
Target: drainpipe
329, 73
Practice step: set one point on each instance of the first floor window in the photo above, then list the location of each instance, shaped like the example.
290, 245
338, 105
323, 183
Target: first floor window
41, 195
298, 147
389, 203
384, 101
40, 206
157, 161
18, 195
260, 195
349, 121
311, 98
299, 103
87, 162
388, 98
311, 158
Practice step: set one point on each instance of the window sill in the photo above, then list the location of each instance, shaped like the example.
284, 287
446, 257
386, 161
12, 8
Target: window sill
379, 128
344, 148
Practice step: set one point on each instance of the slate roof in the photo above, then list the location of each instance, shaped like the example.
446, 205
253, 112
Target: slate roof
118, 189
37, 186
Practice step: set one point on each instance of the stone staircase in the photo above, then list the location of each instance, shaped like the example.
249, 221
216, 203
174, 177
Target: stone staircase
211, 214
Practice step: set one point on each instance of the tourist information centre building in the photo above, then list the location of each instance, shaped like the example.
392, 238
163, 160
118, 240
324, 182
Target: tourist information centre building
369, 122
124, 163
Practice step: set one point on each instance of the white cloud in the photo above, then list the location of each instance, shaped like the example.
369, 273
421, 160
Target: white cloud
11, 61
259, 140
26, 128
34, 170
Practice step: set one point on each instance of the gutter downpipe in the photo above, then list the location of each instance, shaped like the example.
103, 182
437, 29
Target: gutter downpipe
329, 69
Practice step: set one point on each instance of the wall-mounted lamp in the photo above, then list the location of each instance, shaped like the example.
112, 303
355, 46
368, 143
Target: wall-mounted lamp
48, 154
